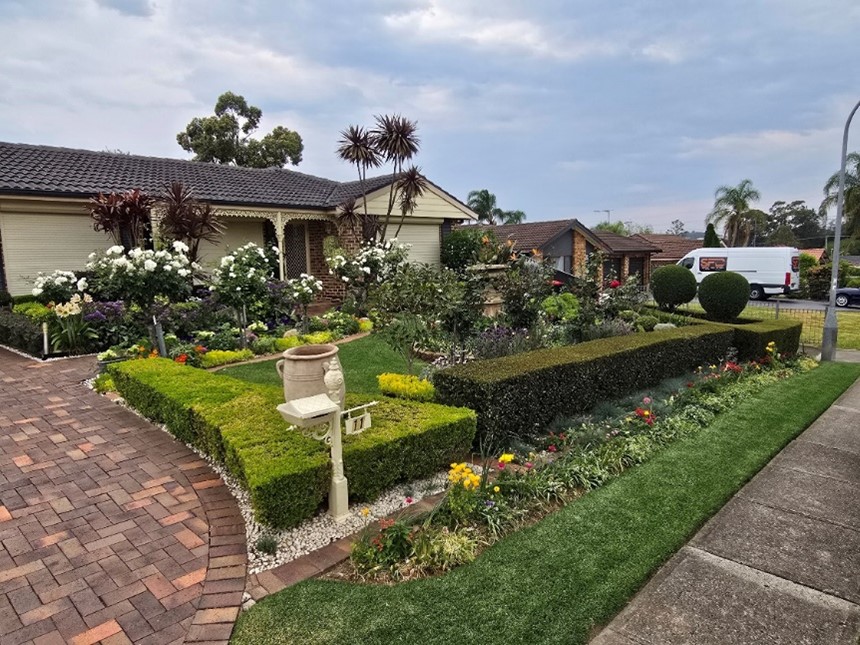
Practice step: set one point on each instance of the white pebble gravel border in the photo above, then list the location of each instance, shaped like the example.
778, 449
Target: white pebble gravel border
321, 529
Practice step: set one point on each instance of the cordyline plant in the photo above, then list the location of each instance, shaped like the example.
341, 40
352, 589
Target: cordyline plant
187, 219
124, 216
393, 140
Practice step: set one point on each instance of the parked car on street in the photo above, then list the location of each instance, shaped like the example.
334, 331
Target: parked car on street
847, 296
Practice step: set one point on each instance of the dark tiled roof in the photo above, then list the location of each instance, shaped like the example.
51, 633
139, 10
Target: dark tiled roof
531, 235
674, 247
45, 170
624, 244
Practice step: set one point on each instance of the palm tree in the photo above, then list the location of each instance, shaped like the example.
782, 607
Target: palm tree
732, 210
411, 186
356, 147
851, 206
483, 202
395, 138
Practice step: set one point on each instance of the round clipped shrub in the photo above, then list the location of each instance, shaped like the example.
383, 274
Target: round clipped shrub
724, 295
648, 322
673, 285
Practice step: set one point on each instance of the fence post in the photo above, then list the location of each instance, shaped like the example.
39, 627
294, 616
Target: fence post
777, 309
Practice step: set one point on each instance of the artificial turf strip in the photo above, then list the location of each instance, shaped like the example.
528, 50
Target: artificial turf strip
362, 361
555, 581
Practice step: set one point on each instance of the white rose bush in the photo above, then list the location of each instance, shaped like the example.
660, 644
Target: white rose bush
373, 263
58, 286
140, 276
241, 278
304, 290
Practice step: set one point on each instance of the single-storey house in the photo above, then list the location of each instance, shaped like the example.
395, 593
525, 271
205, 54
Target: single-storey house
673, 247
569, 243
44, 224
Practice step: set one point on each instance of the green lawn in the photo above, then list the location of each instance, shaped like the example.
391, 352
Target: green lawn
362, 360
555, 581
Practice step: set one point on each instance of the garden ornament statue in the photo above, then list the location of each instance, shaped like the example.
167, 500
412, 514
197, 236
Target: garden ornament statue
314, 389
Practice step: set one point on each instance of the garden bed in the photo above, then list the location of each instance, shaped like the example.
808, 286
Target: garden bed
286, 474
571, 572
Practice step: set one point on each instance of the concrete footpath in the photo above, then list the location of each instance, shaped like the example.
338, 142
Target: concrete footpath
779, 564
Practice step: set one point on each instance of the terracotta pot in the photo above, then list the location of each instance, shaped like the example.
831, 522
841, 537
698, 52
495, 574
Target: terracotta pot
303, 370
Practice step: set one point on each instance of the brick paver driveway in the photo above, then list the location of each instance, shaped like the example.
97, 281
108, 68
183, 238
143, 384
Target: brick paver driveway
110, 530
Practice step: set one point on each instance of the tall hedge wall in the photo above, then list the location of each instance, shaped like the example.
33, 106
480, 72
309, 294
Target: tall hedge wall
287, 474
515, 395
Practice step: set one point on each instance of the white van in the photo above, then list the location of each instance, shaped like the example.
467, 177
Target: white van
769, 269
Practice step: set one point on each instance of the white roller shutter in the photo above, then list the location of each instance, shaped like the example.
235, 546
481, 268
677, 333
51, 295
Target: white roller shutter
425, 241
35, 242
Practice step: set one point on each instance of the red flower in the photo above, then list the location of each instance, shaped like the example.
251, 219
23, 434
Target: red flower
557, 283
552, 448
200, 349
408, 500
614, 284
181, 358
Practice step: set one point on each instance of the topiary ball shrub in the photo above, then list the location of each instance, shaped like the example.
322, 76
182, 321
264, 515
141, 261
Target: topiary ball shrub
673, 285
724, 295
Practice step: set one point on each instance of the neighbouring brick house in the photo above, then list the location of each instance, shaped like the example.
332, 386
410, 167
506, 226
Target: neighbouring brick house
568, 243
672, 247
44, 225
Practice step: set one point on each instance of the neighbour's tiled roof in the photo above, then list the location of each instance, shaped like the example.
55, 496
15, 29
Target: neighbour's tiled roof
816, 253
624, 244
531, 235
674, 247
853, 260
45, 170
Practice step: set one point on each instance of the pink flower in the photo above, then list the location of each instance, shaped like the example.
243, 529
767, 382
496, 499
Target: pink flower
552, 448
501, 465
614, 284
408, 500
529, 465
647, 400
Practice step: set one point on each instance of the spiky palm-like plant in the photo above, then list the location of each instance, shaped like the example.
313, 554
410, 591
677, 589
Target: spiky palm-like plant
356, 146
396, 140
123, 216
410, 187
851, 206
187, 219
732, 210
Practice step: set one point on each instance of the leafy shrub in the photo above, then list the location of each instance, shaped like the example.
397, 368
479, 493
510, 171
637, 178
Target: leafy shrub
673, 285
503, 341
318, 338
241, 277
35, 311
5, 298
365, 325
460, 248
515, 395
818, 279
524, 287
647, 322
724, 295
104, 383
285, 343
267, 544
561, 307
20, 332
853, 282
406, 386
287, 474
140, 276
265, 345
217, 357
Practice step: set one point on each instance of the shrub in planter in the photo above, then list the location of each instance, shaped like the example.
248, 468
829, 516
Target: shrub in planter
673, 285
724, 295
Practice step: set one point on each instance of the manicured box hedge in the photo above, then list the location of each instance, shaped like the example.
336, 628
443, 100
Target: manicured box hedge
515, 395
21, 332
287, 474
751, 336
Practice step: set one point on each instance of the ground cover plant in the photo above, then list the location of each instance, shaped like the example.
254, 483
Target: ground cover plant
557, 580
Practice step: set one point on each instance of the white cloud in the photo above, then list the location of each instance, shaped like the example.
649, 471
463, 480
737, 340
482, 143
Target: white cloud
761, 144
446, 21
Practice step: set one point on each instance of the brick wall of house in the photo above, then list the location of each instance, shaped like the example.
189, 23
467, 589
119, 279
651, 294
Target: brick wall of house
317, 231
580, 252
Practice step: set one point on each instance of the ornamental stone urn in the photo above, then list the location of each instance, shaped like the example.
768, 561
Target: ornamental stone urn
303, 370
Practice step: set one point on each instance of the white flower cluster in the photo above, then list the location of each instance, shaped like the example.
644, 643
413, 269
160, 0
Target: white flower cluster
374, 261
73, 307
243, 257
59, 279
137, 260
305, 288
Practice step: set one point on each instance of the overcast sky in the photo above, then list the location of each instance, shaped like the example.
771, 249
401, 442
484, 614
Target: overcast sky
559, 107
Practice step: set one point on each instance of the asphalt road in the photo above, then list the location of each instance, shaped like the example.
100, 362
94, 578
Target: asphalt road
787, 303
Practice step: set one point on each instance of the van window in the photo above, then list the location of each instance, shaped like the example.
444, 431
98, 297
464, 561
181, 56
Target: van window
687, 262
712, 264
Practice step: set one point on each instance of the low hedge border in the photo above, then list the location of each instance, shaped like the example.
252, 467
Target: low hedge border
515, 395
21, 332
751, 336
287, 474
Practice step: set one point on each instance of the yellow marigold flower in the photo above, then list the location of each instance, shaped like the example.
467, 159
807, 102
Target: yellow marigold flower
365, 512
506, 458
496, 489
